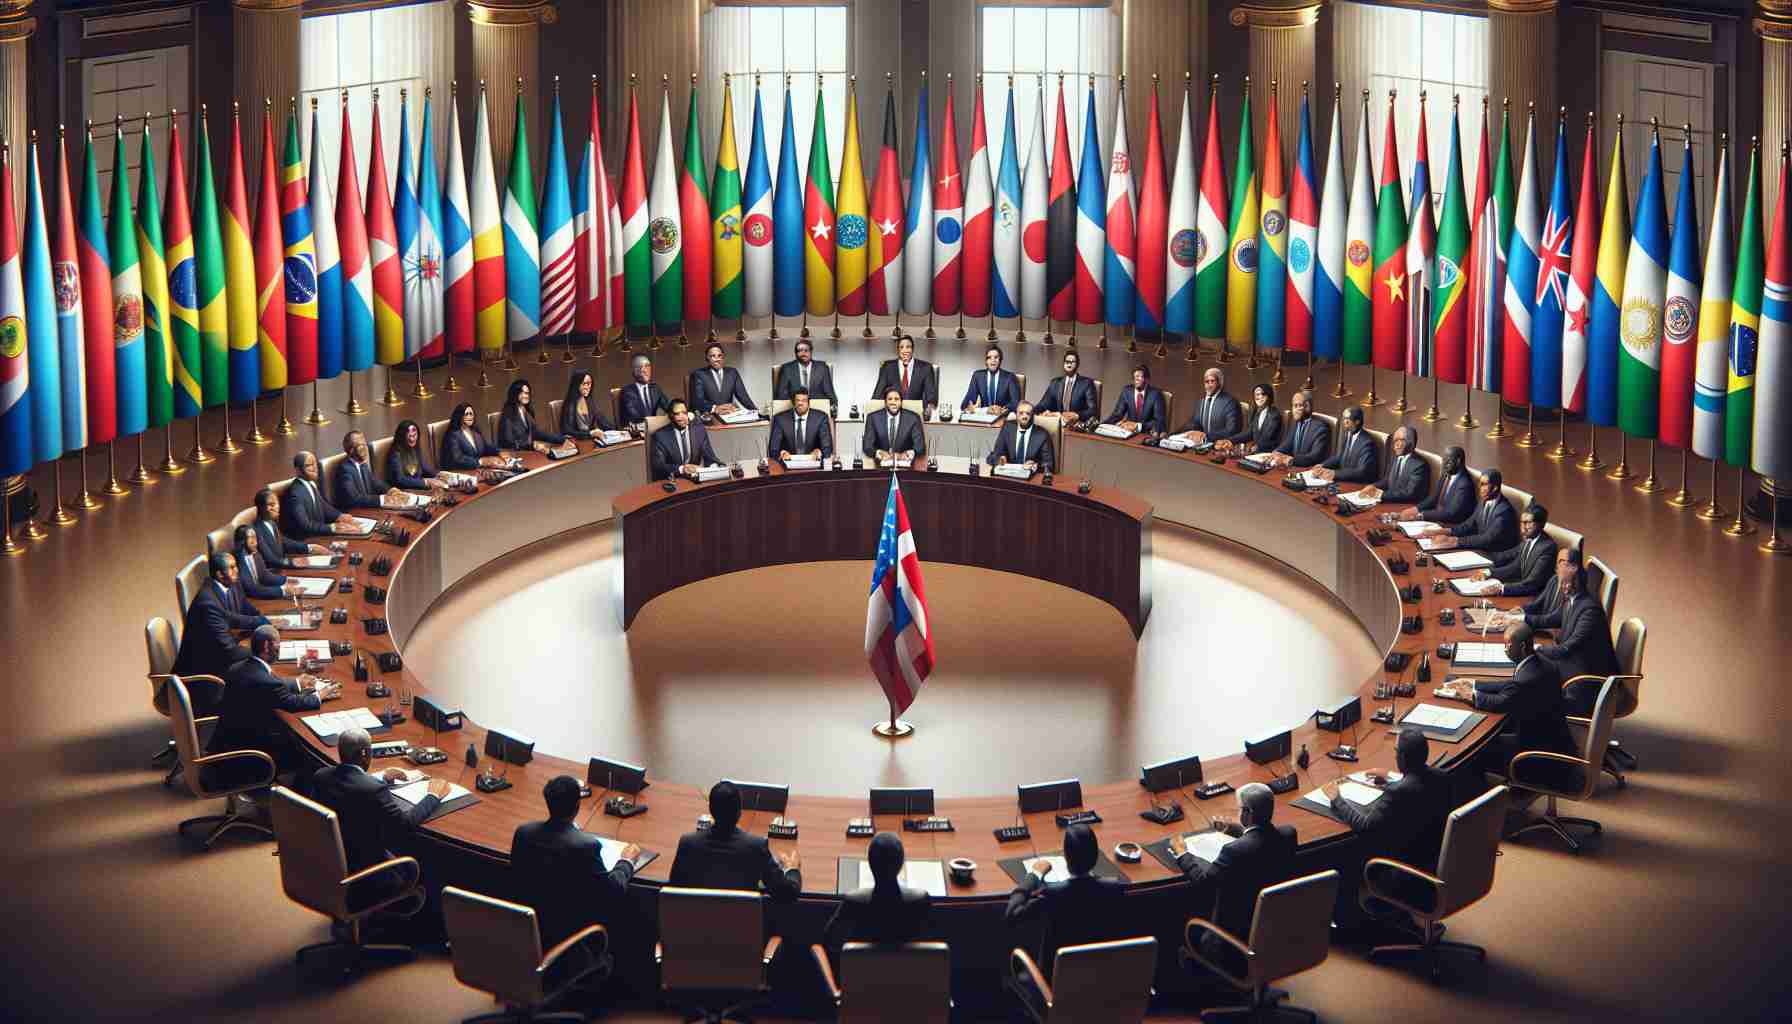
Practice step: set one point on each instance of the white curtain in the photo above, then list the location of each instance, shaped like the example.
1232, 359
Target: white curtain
811, 44
1035, 44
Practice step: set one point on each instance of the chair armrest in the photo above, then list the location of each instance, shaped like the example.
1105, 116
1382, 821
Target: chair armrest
407, 864
771, 949
1572, 680
1411, 872
1024, 967
1192, 948
827, 972
576, 939
236, 755
1529, 756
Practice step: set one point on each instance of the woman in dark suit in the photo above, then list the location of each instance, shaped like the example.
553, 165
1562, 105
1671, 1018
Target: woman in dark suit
464, 448
1262, 429
516, 424
579, 415
406, 464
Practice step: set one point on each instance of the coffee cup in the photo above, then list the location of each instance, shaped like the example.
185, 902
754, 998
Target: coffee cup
963, 870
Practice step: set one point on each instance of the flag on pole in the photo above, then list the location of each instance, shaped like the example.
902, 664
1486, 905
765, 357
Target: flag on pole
357, 271
884, 286
919, 220
1581, 267
270, 264
725, 218
591, 232
1241, 246
978, 265
1745, 322
522, 238
425, 275
1357, 322
1645, 291
1181, 253
239, 276
694, 225
489, 320
1421, 260
43, 354
1709, 371
1389, 294
898, 637
407, 226
617, 290
818, 219
559, 263
1614, 244
1486, 273
1521, 278
97, 330
1091, 221
789, 248
209, 294
1060, 223
301, 259
664, 236
127, 298
948, 215
1773, 370
1449, 316
66, 271
1210, 229
1680, 313
1272, 235
152, 260
852, 232
1555, 247
756, 258
1034, 189
637, 257
1118, 285
1006, 234
458, 302
322, 212
1303, 234
1153, 226
15, 363
382, 248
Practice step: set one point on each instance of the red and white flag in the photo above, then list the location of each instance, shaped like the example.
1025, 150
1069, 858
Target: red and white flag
898, 638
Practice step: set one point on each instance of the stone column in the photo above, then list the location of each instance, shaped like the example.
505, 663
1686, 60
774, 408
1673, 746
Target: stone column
1773, 23
1283, 37
506, 47
266, 51
16, 28
1521, 57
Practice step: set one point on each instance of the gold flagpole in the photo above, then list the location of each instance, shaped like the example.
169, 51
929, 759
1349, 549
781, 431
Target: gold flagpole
316, 416
62, 516
1712, 510
9, 546
1529, 439
112, 484
86, 499
141, 476
1741, 527
169, 464
1774, 544
421, 390
227, 445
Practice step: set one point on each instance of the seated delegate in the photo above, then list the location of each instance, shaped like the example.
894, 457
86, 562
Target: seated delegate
1216, 414
681, 447
800, 430
1024, 442
579, 414
1140, 407
464, 447
1307, 441
407, 464
517, 429
1263, 430
894, 432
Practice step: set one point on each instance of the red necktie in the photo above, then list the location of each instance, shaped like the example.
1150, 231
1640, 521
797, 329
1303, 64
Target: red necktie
905, 380
1138, 403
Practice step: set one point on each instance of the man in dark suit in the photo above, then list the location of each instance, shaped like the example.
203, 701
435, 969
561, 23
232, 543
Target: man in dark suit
305, 512
642, 397
1140, 407
1404, 823
894, 430
1079, 909
800, 430
914, 378
1492, 527
217, 613
807, 373
356, 484
992, 388
725, 857
888, 911
1260, 853
718, 388
1408, 477
253, 575
277, 549
1357, 460
1216, 415
1526, 569
1455, 497
681, 447
247, 713
1531, 700
1307, 440
559, 870
1021, 440
1583, 639
371, 820
1071, 396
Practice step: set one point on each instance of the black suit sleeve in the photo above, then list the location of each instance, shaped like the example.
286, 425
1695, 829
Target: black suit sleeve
781, 885
740, 396
352, 492
840, 926
401, 818
265, 588
1498, 529
930, 390
1541, 614
1047, 457
707, 452
1026, 901
824, 436
1575, 635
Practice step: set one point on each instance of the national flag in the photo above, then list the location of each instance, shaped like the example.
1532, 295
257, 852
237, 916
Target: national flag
1389, 295
43, 349
1241, 246
1060, 224
357, 272
1118, 285
898, 637
1153, 226
1272, 234
664, 234
788, 230
591, 231
97, 330
127, 298
239, 276
270, 264
1608, 289
756, 259
637, 257
1421, 260
852, 232
694, 225
1710, 363
1357, 321
1581, 267
322, 209
152, 267
884, 286
948, 215
1680, 313
1773, 372
818, 219
1645, 290
210, 296
522, 239
1035, 187
1181, 251
407, 225
301, 259
423, 270
458, 301
918, 223
978, 255
487, 223
1303, 235
382, 251
1449, 316
1555, 247
15, 363
66, 270
617, 291
559, 264
725, 219
1091, 221
1745, 321
1210, 229
1486, 273
1006, 226
1521, 278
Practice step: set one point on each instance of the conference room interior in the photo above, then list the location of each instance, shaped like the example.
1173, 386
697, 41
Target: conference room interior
1225, 620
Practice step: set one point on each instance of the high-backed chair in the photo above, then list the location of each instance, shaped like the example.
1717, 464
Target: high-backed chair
821, 405
1436, 462
280, 487
1601, 580
712, 948
377, 452
491, 426
249, 769
187, 582
616, 408
1095, 983
1565, 538
1101, 411
1020, 377
914, 405
434, 430
1633, 633
655, 424
1054, 429
554, 408
224, 537
497, 949
163, 645
890, 983
1464, 875
1566, 776
1290, 933
1169, 409
1325, 417
314, 874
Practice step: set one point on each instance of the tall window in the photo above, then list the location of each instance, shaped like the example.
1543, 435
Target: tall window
1035, 44
807, 43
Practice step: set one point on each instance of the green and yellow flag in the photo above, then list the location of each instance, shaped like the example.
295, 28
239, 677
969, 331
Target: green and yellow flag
158, 337
216, 353
818, 220
1241, 262
724, 208
1745, 323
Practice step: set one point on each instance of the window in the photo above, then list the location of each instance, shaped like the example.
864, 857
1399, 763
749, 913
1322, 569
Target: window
1676, 92
133, 84
807, 43
1036, 43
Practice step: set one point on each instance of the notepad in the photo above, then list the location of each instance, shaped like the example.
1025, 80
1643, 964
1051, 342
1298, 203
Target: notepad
895, 463
976, 416
333, 723
402, 500
802, 462
1414, 529
313, 561
740, 416
1312, 478
1473, 588
1430, 716
1258, 458
707, 473
456, 479
1481, 655
1016, 470
1355, 792
293, 650
1357, 499
1113, 430
1207, 845
610, 437
414, 792
358, 524
929, 875
313, 586
1462, 561
1175, 443
291, 620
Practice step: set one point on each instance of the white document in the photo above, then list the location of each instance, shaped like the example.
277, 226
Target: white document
293, 650
1017, 470
1473, 588
976, 416
313, 586
1060, 870
739, 416
1355, 792
414, 792
802, 462
312, 561
1312, 478
1356, 499
1431, 543
1462, 561
612, 850
1113, 430
895, 463
454, 479
929, 875
1258, 458
1430, 716
402, 500
289, 620
707, 473
610, 437
330, 723
1481, 653
1175, 443
358, 524
1415, 528
1207, 845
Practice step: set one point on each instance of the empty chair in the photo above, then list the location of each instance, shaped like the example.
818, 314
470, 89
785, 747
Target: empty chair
1095, 983
890, 983
1290, 933
1628, 646
1464, 875
497, 949
712, 950
163, 646
228, 774
1565, 775
314, 874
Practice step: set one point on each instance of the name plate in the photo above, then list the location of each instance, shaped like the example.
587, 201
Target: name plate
610, 437
1175, 443
705, 474
802, 462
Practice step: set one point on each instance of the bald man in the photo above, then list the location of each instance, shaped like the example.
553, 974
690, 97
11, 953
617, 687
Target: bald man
371, 820
1216, 413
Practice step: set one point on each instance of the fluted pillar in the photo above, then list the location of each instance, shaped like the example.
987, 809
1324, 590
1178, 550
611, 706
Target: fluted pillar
506, 47
1283, 37
1773, 23
266, 54
16, 28
1521, 55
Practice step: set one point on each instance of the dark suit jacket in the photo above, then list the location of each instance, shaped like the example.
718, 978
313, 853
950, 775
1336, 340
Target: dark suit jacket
821, 382
1148, 413
418, 481
817, 433
1082, 398
458, 453
305, 514
1455, 500
636, 411
1545, 610
517, 433
1358, 460
569, 419
1003, 390
356, 486
208, 636
372, 821
706, 396
1532, 702
909, 436
1308, 441
1490, 528
665, 450
1407, 822
559, 871
878, 915
1583, 644
733, 860
256, 579
922, 384
1039, 446
276, 548
1526, 568
247, 711
1408, 483
1079, 909
1263, 428
1217, 419
1264, 855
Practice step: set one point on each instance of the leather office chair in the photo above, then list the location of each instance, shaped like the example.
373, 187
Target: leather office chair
1100, 410
434, 431
892, 983
1566, 776
1169, 409
1095, 983
188, 580
1633, 633
1464, 875
1519, 497
491, 426
1603, 581
653, 426
554, 408
821, 405
314, 874
163, 646
1020, 378
1436, 462
1290, 933
257, 769
497, 949
616, 408
1325, 417
1565, 538
1054, 429
914, 405
376, 455
280, 487
221, 539
712, 948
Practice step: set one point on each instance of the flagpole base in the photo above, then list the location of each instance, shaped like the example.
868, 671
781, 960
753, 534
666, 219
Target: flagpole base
1225, 356
1648, 485
1712, 511
928, 333
1467, 422
1682, 499
1274, 378
390, 399
198, 457
566, 357
961, 336
1372, 399
1773, 545
1621, 471
1432, 414
1020, 337
867, 333
1741, 527
893, 730
1400, 405
63, 517
1047, 338
1163, 348
316, 417
485, 379
992, 329
1193, 355
1560, 453
740, 334
141, 476
1101, 341
34, 530
510, 364
1499, 427
1528, 440
541, 357
257, 438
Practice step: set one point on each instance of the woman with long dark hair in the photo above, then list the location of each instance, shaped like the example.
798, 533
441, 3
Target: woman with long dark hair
517, 429
407, 464
464, 446
579, 413
1262, 427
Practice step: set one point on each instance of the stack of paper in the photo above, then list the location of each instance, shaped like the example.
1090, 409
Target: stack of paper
313, 586
1258, 458
612, 850
1016, 470
1175, 443
610, 437
1312, 478
1472, 588
739, 416
331, 723
1430, 716
1477, 619
707, 473
802, 462
1463, 561
976, 416
313, 561
1113, 430
293, 650
290, 620
414, 792
1356, 499
402, 500
1206, 845
916, 874
1482, 655
359, 524
1355, 792
894, 463
1415, 528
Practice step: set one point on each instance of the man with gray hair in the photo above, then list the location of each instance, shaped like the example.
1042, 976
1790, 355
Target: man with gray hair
372, 821
1408, 477
1216, 414
642, 397
1259, 854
